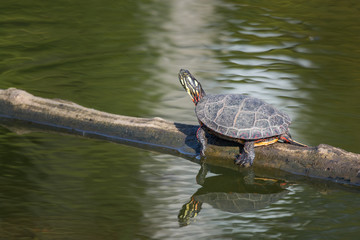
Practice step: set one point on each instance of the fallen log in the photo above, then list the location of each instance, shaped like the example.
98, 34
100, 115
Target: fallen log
322, 161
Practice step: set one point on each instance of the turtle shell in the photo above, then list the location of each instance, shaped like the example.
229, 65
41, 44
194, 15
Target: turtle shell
241, 117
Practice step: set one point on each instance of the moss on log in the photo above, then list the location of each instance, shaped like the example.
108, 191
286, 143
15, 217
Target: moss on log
323, 161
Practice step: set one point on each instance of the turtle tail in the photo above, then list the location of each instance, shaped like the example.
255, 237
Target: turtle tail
286, 138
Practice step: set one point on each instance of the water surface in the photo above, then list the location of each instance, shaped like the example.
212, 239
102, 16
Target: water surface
123, 57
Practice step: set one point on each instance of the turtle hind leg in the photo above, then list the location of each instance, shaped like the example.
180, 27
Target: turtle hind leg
247, 155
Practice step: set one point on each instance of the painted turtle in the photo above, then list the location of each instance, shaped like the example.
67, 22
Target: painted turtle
236, 117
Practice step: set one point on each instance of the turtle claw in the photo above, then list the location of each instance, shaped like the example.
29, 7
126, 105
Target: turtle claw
246, 156
243, 161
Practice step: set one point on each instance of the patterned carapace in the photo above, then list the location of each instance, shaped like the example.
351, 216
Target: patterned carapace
241, 116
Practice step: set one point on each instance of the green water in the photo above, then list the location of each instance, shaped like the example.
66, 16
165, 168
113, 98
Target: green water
123, 57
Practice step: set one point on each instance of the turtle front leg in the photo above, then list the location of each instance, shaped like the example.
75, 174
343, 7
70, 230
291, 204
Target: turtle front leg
247, 155
200, 135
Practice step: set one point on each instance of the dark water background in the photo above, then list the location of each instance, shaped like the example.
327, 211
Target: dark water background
123, 57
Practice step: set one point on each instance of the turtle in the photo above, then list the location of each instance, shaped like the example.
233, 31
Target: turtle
240, 118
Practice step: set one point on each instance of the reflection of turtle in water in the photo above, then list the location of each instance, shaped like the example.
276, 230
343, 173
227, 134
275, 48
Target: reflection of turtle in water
232, 194
235, 117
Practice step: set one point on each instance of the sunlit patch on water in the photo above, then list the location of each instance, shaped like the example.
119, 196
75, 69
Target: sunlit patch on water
306, 63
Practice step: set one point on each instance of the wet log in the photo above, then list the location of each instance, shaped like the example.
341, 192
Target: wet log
322, 161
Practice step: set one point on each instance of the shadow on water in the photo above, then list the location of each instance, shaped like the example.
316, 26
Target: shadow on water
192, 144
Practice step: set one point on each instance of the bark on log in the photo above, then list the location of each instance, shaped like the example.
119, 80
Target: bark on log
323, 161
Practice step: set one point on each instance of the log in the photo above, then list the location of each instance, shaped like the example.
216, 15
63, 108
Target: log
318, 162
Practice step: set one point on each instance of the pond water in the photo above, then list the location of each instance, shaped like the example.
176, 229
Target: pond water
123, 57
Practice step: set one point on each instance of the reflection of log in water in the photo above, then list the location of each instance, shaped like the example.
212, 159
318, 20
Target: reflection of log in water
231, 193
323, 161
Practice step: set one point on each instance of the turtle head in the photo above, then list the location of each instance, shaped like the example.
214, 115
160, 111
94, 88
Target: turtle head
191, 85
